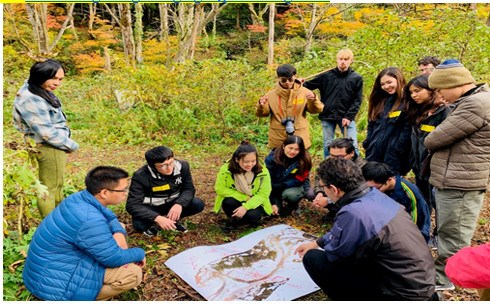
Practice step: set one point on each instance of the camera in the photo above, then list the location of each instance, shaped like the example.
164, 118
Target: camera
289, 123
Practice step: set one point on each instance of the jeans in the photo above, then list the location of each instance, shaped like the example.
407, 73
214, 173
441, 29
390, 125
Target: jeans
328, 128
457, 213
291, 198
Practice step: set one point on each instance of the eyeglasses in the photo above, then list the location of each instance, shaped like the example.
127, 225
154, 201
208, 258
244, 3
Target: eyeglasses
324, 186
286, 79
165, 166
125, 190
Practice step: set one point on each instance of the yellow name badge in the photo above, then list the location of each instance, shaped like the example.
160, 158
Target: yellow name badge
427, 128
161, 188
299, 101
394, 114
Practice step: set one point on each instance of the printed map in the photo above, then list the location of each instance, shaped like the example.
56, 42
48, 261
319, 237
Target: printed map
259, 266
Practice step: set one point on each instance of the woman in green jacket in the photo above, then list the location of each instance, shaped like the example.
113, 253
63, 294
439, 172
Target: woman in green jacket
243, 187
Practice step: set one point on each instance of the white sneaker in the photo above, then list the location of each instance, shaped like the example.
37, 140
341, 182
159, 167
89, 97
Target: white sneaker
448, 286
432, 242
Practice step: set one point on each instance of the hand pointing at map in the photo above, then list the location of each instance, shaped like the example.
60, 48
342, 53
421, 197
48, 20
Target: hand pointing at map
303, 248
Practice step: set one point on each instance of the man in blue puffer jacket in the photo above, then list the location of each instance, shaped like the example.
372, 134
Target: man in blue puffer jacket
79, 251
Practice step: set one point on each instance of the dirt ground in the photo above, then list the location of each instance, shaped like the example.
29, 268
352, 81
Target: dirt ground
161, 284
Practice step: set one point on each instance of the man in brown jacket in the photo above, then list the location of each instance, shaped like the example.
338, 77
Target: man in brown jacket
287, 105
460, 165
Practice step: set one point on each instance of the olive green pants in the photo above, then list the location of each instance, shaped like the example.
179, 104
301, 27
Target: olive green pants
52, 163
457, 214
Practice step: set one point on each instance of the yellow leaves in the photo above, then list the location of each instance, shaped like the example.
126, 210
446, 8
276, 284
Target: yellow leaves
340, 27
332, 10
88, 63
368, 13
161, 249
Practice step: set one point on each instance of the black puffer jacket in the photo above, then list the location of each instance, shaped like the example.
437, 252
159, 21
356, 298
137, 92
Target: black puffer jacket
419, 152
341, 93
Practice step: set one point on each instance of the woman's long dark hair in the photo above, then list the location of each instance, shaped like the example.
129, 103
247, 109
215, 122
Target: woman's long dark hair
416, 113
379, 96
242, 150
303, 157
39, 73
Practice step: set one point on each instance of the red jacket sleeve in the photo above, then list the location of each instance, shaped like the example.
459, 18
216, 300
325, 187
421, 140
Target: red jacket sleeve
470, 267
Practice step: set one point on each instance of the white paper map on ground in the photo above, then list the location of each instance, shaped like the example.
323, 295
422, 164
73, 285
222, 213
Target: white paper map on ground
259, 266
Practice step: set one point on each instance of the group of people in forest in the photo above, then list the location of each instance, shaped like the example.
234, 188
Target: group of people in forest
436, 125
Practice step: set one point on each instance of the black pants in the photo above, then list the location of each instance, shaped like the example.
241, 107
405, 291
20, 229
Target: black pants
286, 200
426, 189
196, 206
343, 281
252, 217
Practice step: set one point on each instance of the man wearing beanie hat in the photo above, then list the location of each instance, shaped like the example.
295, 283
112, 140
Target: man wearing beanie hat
460, 165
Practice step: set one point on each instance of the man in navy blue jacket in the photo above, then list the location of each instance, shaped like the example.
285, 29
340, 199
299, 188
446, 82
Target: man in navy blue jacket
79, 252
373, 251
383, 178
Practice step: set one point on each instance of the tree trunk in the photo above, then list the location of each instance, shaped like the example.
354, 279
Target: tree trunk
107, 59
310, 30
214, 28
72, 25
164, 31
188, 35
163, 9
138, 32
92, 9
257, 17
197, 21
69, 17
127, 33
270, 55
37, 14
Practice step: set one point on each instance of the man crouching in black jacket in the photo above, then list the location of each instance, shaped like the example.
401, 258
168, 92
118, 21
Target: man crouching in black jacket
161, 193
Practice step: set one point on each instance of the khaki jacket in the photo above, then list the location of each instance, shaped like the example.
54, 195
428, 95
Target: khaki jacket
461, 144
288, 102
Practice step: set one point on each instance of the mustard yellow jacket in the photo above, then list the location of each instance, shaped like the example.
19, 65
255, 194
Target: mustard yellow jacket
288, 102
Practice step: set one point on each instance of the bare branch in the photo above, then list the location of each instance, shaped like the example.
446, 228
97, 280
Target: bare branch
69, 16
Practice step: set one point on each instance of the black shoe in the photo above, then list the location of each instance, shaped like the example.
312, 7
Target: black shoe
437, 296
152, 231
180, 227
229, 226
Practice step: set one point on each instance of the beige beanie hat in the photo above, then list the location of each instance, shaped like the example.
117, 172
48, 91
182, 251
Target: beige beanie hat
450, 74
